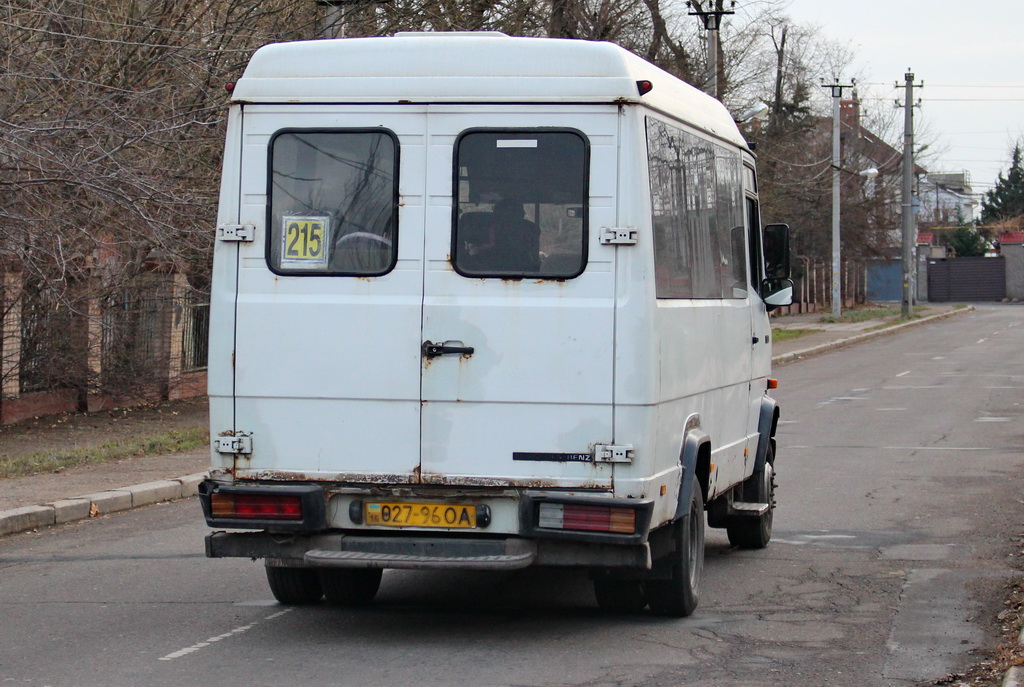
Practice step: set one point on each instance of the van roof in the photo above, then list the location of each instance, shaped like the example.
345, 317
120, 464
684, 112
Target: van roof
466, 67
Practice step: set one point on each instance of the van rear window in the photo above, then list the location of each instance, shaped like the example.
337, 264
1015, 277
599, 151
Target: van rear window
333, 202
521, 207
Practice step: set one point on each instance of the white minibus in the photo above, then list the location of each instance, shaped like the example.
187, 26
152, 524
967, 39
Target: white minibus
483, 302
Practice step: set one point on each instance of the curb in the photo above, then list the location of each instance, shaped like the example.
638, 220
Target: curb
1015, 675
783, 358
27, 518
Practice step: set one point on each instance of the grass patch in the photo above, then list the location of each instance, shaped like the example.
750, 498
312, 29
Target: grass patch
174, 441
790, 334
864, 314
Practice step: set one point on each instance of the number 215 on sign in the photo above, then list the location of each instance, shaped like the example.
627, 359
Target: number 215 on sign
304, 241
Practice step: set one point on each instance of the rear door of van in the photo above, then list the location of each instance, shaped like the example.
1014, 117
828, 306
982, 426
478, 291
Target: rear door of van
329, 294
515, 271
426, 298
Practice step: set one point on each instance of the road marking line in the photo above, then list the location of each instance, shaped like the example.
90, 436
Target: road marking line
211, 640
903, 374
981, 341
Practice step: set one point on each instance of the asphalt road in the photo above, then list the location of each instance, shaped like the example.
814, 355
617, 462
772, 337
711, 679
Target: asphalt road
900, 487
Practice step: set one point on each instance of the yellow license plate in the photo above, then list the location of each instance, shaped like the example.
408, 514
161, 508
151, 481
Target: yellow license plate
440, 515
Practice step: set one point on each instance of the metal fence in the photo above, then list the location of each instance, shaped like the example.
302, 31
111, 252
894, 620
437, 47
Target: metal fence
137, 339
195, 334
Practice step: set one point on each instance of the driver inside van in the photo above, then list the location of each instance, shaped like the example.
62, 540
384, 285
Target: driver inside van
506, 243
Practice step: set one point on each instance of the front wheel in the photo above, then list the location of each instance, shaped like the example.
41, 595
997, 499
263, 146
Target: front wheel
679, 595
620, 596
755, 533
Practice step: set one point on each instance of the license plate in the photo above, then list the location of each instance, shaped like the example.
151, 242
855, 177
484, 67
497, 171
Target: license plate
439, 515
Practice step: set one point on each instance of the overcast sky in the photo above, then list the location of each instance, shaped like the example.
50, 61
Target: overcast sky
970, 56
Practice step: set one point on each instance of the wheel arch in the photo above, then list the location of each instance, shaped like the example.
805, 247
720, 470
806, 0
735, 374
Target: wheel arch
695, 460
767, 424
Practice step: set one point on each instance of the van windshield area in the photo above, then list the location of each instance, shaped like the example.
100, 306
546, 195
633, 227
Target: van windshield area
521, 204
333, 202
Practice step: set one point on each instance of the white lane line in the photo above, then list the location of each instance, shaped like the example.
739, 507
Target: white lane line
992, 419
903, 374
212, 640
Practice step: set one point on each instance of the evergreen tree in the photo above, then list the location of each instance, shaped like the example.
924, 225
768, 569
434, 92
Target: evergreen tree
1006, 200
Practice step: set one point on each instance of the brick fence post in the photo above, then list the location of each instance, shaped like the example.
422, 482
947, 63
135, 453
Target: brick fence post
10, 345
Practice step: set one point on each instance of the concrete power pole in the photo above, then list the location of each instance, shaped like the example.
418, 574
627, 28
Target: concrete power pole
712, 18
335, 14
837, 262
909, 223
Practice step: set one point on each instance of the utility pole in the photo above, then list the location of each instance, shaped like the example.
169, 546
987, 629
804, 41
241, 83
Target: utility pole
909, 223
334, 18
837, 264
712, 17
334, 15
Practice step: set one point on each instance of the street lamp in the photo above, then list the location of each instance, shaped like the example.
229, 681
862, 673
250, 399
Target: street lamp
758, 111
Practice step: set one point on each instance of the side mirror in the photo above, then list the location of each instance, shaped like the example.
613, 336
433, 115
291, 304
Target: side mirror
777, 292
776, 252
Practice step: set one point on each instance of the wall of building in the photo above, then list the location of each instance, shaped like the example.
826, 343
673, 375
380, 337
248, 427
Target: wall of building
1013, 253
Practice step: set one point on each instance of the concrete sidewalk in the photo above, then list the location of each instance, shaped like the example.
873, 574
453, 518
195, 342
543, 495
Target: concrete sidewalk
28, 503
823, 336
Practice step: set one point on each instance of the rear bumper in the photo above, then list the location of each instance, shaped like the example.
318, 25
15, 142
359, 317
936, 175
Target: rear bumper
326, 535
340, 550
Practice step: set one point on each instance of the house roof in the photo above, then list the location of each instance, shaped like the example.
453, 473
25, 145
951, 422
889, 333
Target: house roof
1011, 237
925, 238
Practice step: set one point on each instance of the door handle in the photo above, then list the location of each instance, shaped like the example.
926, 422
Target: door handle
432, 350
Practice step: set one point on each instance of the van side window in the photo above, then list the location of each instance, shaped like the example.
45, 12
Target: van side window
697, 207
333, 202
521, 204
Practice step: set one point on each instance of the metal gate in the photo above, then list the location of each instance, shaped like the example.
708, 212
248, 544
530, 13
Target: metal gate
966, 279
885, 281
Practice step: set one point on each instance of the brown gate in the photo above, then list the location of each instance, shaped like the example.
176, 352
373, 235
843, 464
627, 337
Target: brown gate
966, 279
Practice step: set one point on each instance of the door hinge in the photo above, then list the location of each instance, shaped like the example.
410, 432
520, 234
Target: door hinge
613, 453
236, 232
238, 443
618, 236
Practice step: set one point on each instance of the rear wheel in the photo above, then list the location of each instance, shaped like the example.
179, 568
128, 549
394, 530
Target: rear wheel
350, 586
679, 595
294, 586
620, 596
756, 532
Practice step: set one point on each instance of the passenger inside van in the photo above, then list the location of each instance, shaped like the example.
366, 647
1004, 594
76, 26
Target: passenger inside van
502, 241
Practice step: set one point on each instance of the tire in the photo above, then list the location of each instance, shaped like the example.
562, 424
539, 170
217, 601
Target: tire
679, 595
620, 596
755, 533
350, 586
295, 586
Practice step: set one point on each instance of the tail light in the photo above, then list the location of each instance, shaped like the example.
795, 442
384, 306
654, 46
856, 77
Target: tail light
585, 518
256, 506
